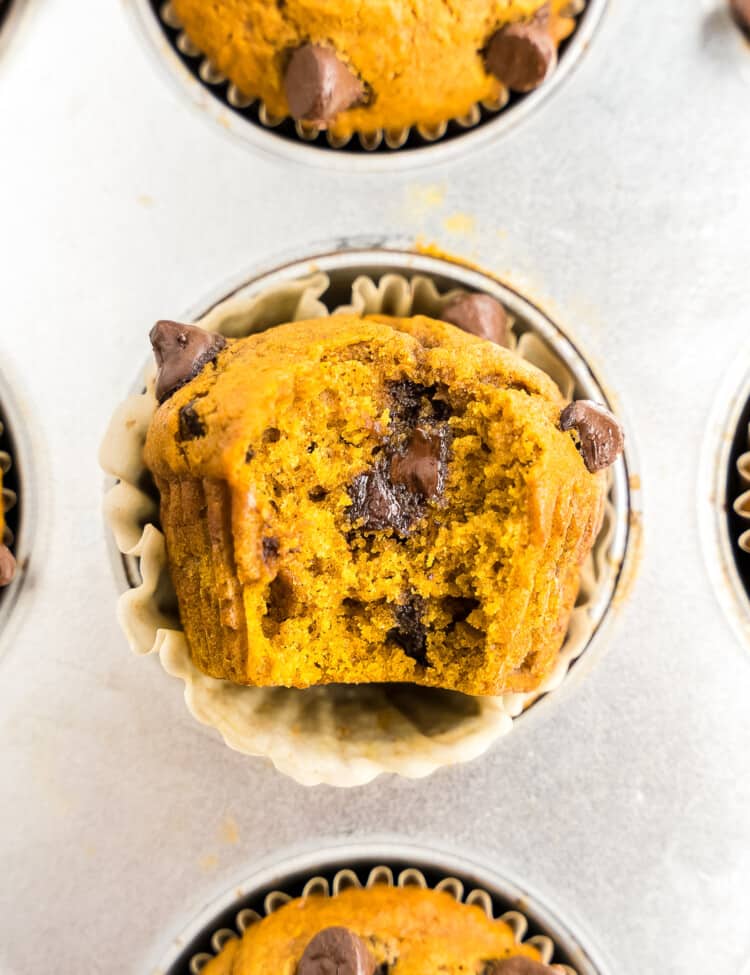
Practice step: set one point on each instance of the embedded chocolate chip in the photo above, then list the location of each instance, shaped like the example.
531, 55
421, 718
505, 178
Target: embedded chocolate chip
517, 965
421, 468
271, 435
7, 565
410, 632
317, 493
249, 454
270, 549
521, 55
601, 438
378, 504
318, 85
336, 951
741, 13
479, 315
191, 425
181, 352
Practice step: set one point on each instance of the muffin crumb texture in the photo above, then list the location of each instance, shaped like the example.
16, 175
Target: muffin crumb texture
364, 500
365, 66
379, 931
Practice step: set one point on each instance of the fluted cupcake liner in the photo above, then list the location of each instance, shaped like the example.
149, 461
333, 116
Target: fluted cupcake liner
255, 112
342, 735
9, 497
382, 874
741, 504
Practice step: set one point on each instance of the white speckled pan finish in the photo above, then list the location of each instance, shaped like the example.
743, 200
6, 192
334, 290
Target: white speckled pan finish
621, 208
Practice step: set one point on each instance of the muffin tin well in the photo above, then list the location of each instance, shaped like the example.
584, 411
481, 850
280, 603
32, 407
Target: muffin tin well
427, 729
211, 92
396, 863
724, 498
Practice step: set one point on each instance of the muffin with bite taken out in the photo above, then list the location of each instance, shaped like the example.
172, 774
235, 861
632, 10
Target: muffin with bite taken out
373, 499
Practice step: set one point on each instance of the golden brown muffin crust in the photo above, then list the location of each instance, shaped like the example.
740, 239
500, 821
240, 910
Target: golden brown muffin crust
414, 931
402, 50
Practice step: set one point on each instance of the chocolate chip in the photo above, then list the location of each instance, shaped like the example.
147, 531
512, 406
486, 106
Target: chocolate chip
318, 85
317, 493
191, 425
181, 352
521, 55
601, 438
421, 467
249, 454
517, 965
378, 504
271, 435
741, 13
270, 549
7, 565
409, 632
312, 447
336, 951
479, 315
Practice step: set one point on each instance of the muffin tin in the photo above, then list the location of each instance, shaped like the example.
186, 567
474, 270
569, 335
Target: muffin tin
210, 91
394, 863
117, 814
433, 729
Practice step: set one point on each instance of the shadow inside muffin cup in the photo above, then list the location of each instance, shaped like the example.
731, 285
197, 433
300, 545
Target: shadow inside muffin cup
416, 729
724, 496
15, 462
249, 119
326, 872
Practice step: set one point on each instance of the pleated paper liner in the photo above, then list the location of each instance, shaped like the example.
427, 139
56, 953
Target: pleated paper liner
250, 910
255, 112
738, 492
9, 498
342, 735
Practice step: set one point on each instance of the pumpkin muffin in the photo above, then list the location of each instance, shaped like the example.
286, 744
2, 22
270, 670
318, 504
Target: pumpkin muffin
7, 559
365, 65
355, 500
378, 931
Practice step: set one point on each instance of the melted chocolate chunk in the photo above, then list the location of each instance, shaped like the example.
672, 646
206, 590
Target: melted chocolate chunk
411, 468
318, 85
181, 352
421, 466
480, 315
191, 425
410, 632
601, 438
336, 951
522, 54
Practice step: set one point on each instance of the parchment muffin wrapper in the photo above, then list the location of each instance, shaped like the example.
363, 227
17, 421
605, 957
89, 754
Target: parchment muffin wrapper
342, 735
390, 138
344, 879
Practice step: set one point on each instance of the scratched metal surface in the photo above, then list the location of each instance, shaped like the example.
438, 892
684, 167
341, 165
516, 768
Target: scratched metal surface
622, 207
